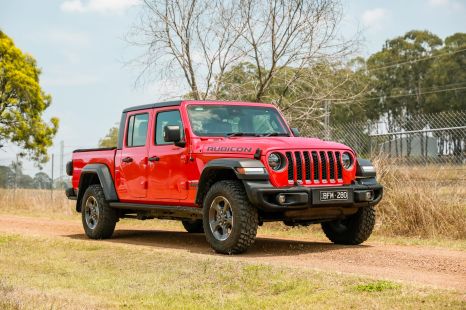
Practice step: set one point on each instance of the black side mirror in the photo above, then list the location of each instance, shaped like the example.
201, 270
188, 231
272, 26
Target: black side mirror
172, 133
295, 132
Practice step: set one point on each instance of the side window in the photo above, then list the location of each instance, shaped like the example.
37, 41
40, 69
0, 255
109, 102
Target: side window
164, 119
137, 130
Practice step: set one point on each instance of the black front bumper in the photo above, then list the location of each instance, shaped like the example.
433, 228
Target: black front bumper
263, 195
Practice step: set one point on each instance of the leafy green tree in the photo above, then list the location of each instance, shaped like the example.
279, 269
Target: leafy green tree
448, 71
110, 139
22, 102
6, 175
401, 87
42, 181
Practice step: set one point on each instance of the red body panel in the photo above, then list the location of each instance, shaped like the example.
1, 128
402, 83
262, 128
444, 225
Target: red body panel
169, 180
81, 159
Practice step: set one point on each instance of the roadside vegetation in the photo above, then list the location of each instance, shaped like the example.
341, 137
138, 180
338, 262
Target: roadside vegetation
65, 273
423, 205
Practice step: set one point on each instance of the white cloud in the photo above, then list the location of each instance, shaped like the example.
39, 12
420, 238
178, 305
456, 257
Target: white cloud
439, 2
374, 18
448, 4
99, 6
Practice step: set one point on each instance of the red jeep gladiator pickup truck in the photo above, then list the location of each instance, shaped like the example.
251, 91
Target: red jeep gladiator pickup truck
222, 168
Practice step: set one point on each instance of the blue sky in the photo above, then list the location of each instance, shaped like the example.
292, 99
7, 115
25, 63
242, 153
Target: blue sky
79, 46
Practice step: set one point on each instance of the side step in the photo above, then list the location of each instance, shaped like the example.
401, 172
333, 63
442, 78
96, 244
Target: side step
160, 211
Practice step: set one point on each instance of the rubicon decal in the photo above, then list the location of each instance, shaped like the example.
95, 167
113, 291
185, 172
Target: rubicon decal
231, 149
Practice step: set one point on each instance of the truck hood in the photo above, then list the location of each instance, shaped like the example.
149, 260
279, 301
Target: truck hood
249, 145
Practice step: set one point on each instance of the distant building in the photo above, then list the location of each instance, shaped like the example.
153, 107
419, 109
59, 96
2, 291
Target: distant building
430, 144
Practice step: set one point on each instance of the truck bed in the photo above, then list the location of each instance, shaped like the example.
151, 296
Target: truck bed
83, 157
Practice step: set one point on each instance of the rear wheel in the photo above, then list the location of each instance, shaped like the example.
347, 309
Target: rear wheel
230, 221
354, 229
193, 226
98, 218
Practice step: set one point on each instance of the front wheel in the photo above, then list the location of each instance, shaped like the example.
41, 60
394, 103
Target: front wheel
354, 229
98, 218
230, 221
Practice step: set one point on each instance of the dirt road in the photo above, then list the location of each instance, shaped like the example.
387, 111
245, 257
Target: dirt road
426, 266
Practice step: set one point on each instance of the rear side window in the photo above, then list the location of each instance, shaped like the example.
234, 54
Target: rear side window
165, 119
137, 130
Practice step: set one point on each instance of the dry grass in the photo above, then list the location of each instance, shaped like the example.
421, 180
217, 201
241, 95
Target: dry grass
58, 273
424, 201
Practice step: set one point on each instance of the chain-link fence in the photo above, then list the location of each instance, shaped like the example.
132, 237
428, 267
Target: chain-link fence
428, 138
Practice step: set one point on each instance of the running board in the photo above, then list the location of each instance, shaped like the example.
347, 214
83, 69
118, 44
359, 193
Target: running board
160, 211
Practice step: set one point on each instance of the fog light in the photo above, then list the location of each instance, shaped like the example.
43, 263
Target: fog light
368, 196
281, 199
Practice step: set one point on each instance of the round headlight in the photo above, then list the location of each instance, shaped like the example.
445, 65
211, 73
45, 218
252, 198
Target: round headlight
275, 161
347, 160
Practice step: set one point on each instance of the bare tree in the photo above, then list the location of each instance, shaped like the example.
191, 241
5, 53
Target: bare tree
198, 37
283, 39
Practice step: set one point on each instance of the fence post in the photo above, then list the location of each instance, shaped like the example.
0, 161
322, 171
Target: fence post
51, 183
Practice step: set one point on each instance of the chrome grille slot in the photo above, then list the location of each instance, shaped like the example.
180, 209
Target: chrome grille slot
339, 166
290, 166
307, 164
299, 166
323, 160
315, 160
331, 162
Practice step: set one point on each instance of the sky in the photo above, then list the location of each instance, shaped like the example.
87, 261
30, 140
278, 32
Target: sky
80, 46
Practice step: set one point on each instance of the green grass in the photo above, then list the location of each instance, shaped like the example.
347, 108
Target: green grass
49, 273
377, 286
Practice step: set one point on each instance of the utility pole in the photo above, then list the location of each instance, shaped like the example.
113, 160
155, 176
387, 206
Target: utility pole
327, 120
17, 163
16, 176
51, 184
62, 158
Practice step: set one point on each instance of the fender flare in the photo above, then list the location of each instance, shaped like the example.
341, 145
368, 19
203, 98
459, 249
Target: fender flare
105, 178
229, 164
362, 171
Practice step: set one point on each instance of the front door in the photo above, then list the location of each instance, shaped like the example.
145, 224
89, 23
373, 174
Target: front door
133, 161
168, 163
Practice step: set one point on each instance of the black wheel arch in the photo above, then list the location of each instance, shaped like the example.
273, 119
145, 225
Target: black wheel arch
225, 169
96, 174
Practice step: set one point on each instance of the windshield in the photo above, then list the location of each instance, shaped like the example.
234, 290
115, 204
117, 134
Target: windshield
235, 120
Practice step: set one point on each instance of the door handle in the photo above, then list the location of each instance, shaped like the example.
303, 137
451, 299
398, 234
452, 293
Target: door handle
127, 160
154, 158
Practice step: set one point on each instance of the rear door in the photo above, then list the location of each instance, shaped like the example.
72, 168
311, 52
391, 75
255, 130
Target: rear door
133, 162
168, 164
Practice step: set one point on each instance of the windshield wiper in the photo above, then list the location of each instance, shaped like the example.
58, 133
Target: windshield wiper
276, 134
239, 134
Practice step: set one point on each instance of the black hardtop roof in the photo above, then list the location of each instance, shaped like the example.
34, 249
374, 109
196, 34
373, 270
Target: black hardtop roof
173, 103
153, 105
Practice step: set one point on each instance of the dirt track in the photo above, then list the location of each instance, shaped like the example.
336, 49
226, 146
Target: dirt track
426, 266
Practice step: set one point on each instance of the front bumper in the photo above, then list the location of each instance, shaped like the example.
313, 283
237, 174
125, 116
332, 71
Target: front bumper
264, 196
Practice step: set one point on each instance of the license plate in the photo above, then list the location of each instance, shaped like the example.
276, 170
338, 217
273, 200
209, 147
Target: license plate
334, 195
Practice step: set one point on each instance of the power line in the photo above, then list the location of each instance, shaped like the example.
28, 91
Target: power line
408, 95
415, 60
431, 90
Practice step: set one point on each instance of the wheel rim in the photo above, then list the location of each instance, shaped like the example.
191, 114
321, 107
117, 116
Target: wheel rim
221, 218
91, 212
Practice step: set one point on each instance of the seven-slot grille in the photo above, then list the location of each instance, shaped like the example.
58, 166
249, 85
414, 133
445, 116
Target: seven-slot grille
314, 167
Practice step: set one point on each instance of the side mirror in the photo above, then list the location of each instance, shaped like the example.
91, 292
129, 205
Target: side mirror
295, 132
172, 133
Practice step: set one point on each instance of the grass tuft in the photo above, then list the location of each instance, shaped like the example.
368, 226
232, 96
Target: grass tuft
377, 286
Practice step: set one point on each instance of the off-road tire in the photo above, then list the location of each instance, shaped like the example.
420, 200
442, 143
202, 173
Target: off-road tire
245, 218
355, 229
107, 216
193, 226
